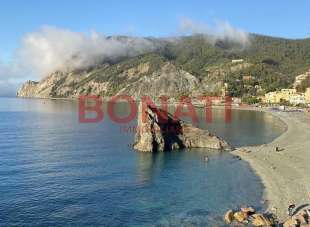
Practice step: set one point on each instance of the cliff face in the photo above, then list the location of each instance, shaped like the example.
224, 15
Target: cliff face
29, 89
150, 76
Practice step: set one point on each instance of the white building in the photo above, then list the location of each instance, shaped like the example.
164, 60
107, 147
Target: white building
297, 99
237, 61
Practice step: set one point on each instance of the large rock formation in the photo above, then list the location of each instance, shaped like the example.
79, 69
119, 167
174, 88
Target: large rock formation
150, 75
158, 131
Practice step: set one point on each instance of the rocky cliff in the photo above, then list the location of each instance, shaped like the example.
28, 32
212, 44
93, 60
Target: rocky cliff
148, 75
159, 131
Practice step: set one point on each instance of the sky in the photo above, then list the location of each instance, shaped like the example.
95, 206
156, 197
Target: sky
160, 18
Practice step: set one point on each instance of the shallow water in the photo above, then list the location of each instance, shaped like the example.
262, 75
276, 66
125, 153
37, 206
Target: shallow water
55, 171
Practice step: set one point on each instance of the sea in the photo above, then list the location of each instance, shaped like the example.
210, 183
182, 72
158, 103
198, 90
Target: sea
57, 171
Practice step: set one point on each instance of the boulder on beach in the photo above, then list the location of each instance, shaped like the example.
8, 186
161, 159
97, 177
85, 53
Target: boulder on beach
229, 217
241, 216
260, 220
158, 131
248, 210
300, 219
291, 222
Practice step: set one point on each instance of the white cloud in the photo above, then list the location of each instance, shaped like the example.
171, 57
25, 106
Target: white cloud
51, 48
218, 31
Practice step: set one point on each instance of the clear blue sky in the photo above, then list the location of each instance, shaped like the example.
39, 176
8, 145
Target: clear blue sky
289, 19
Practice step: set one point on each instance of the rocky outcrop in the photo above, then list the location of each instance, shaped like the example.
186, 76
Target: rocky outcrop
229, 217
247, 216
135, 80
158, 131
150, 75
29, 89
301, 218
167, 80
240, 216
56, 85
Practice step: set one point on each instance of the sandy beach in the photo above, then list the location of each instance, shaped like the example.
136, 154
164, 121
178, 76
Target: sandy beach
285, 174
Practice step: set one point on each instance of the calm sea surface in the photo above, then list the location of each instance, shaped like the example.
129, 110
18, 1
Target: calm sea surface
55, 171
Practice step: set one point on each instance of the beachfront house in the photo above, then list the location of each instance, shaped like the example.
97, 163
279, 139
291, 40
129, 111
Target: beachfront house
297, 99
288, 95
278, 96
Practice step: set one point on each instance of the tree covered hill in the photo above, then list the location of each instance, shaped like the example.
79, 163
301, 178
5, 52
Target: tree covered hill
268, 64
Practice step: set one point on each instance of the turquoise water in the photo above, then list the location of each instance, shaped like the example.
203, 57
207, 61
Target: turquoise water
55, 171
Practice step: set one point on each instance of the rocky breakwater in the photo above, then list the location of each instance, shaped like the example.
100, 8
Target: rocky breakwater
248, 217
159, 131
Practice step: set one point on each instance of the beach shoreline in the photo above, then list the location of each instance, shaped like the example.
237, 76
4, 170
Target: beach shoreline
284, 174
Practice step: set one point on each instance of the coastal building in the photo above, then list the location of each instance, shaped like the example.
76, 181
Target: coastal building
237, 61
278, 96
272, 97
288, 95
297, 99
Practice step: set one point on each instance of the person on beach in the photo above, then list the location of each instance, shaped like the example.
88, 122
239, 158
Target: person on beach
290, 209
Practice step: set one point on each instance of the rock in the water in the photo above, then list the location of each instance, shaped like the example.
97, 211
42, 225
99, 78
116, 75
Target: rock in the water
260, 220
157, 130
229, 217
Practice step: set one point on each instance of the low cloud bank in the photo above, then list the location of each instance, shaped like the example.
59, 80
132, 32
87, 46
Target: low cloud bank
50, 49
215, 32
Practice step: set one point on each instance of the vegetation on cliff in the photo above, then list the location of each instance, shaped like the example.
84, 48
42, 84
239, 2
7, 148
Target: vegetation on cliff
187, 65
